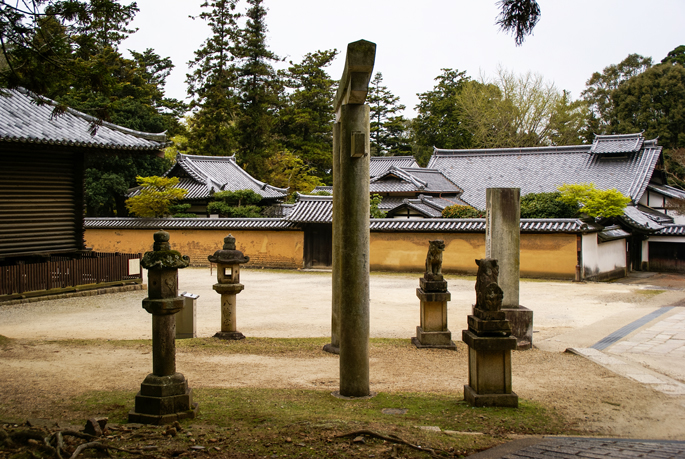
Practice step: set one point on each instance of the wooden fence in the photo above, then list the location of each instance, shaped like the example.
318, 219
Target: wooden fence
61, 272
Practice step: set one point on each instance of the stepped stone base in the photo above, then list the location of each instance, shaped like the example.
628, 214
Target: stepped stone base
236, 335
433, 340
506, 400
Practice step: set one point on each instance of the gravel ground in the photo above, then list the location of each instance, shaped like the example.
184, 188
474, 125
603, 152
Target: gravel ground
35, 370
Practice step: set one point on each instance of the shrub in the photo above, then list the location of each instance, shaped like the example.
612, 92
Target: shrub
546, 205
459, 211
594, 202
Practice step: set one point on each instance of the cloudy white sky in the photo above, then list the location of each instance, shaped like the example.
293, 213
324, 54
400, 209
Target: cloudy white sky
415, 39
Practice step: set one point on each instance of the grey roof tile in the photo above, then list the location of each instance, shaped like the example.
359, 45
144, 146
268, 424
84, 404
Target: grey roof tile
623, 143
23, 119
379, 164
202, 176
407, 179
190, 223
634, 217
666, 190
312, 209
671, 230
428, 206
543, 169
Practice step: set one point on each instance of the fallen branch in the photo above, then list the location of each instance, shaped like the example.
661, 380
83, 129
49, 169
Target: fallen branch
393, 439
85, 446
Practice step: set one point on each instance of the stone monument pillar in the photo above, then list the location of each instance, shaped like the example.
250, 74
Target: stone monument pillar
228, 261
351, 220
164, 395
502, 242
432, 291
490, 343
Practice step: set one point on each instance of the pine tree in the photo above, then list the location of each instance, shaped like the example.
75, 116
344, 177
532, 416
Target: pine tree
388, 126
305, 120
258, 90
212, 129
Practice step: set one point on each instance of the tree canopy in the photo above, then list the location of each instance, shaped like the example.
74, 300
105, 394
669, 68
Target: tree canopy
592, 201
156, 196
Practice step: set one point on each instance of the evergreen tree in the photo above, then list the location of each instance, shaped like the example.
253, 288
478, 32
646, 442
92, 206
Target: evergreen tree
305, 120
258, 92
212, 129
439, 121
388, 126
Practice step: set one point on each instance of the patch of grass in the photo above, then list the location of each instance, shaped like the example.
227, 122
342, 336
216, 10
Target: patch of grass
4, 341
264, 422
649, 292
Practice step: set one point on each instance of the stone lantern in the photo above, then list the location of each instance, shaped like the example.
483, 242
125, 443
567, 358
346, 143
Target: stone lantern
228, 261
164, 395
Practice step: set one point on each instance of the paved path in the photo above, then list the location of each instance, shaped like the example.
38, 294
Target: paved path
568, 448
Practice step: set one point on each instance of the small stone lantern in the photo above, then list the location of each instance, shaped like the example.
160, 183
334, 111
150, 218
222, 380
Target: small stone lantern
228, 261
164, 395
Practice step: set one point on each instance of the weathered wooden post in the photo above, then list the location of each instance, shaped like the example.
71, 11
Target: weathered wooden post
502, 242
351, 220
164, 395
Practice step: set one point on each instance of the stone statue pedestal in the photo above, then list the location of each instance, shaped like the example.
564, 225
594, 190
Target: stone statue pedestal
489, 370
228, 285
490, 343
164, 395
433, 332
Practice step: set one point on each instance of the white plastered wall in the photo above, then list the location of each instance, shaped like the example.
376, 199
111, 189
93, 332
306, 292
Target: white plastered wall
602, 258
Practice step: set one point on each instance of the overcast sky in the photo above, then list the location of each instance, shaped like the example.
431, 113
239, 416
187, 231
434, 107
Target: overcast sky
415, 39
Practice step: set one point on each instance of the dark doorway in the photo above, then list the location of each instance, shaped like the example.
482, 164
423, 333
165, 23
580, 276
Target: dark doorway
667, 256
318, 246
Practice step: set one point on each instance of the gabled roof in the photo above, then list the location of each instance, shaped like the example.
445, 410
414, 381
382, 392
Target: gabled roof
410, 179
635, 218
428, 206
27, 118
202, 176
379, 164
312, 209
543, 169
667, 191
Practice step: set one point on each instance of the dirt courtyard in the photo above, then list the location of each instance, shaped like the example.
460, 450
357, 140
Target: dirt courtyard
43, 361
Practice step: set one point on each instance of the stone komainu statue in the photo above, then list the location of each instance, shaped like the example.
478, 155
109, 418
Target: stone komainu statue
488, 292
434, 258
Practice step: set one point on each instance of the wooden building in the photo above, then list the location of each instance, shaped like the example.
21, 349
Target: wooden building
41, 194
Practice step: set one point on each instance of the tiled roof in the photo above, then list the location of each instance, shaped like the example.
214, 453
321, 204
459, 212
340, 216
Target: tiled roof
611, 233
476, 225
379, 164
671, 230
666, 190
27, 118
428, 206
312, 209
635, 218
655, 215
543, 169
190, 223
202, 176
407, 179
617, 144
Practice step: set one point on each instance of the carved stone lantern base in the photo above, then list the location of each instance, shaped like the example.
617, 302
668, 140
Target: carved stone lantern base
163, 400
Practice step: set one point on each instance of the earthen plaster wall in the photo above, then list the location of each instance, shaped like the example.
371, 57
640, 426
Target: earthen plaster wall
273, 249
542, 255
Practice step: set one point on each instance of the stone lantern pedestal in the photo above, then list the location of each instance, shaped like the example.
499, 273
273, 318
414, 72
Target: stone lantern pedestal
490, 344
228, 261
164, 395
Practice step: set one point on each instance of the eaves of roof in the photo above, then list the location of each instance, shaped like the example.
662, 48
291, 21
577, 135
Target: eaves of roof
639, 220
671, 230
191, 223
28, 118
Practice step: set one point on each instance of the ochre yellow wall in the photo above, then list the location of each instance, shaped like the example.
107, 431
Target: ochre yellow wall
274, 249
542, 255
